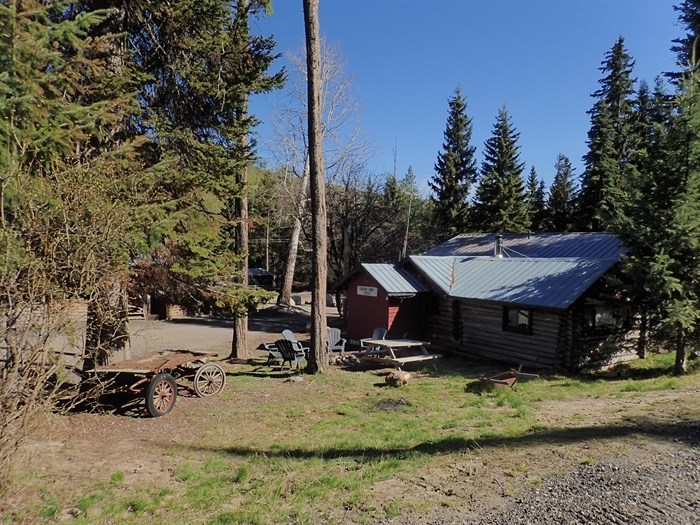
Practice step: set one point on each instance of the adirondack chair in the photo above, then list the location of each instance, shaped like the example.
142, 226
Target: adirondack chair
298, 347
335, 341
273, 353
377, 333
289, 354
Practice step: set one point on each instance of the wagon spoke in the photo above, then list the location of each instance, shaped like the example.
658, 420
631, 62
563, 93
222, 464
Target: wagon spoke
209, 380
161, 394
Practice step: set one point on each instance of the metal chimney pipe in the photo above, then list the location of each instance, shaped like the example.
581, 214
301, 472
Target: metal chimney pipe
498, 247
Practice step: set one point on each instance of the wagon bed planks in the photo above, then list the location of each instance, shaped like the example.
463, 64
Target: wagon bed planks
150, 363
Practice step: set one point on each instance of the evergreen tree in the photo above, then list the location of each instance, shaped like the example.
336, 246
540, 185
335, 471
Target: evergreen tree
608, 175
562, 194
455, 172
500, 195
194, 91
535, 201
662, 270
687, 48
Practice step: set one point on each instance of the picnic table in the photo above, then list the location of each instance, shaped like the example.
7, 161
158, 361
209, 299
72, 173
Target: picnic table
393, 351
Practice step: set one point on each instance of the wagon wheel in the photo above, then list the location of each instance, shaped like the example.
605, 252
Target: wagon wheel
161, 394
209, 380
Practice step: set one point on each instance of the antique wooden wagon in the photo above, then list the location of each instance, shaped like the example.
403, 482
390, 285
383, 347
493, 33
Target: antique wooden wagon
154, 377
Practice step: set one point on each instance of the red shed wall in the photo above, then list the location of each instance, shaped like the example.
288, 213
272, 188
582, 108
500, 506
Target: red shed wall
406, 317
365, 313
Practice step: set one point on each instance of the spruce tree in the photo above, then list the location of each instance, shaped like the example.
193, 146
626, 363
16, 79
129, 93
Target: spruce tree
500, 194
455, 172
562, 195
662, 269
195, 88
687, 48
608, 175
535, 201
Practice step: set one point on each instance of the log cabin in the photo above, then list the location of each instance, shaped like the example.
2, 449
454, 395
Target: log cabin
538, 300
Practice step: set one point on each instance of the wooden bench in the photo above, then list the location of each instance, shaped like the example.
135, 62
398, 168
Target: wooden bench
414, 358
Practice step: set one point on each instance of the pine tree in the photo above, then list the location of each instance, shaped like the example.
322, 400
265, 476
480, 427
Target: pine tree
608, 174
195, 89
455, 172
500, 195
562, 195
687, 48
535, 201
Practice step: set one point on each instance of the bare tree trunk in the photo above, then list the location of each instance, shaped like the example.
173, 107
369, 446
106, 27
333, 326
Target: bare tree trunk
318, 360
643, 336
285, 296
346, 249
239, 343
680, 364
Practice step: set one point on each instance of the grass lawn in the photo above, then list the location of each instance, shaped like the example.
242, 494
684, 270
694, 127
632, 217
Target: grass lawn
344, 448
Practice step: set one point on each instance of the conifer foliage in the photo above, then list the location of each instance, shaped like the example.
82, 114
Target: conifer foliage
608, 174
535, 201
561, 211
455, 172
500, 194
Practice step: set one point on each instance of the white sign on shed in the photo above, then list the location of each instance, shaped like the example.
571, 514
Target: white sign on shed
369, 291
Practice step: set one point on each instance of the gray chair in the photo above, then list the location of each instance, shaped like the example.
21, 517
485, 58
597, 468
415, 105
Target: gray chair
298, 347
289, 354
273, 353
335, 341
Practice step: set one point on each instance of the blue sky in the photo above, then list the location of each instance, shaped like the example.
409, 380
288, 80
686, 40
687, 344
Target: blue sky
539, 58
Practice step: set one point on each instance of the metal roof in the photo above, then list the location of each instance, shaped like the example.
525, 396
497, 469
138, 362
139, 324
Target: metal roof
545, 245
537, 282
394, 280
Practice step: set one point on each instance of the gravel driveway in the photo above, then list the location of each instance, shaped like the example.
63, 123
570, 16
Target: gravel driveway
637, 489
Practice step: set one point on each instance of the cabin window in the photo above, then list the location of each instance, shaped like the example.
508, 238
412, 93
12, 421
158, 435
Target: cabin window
517, 320
602, 319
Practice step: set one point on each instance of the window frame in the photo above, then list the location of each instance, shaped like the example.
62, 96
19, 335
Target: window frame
591, 312
518, 329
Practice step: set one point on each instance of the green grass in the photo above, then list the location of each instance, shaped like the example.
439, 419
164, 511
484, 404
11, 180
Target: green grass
313, 451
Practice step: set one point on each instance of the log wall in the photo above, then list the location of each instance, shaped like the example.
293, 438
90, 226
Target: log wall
476, 330
556, 343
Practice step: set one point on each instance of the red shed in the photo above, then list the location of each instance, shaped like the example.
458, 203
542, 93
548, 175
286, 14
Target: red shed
383, 295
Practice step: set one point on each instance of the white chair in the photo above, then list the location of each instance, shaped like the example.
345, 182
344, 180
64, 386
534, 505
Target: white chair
335, 341
377, 333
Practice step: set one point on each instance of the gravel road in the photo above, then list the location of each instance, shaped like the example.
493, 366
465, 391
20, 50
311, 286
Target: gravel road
661, 488
613, 492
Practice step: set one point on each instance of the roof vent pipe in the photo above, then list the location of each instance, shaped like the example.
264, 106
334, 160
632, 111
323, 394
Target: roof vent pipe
498, 247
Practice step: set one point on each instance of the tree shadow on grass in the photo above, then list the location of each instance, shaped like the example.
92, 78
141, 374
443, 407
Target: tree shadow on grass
687, 432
